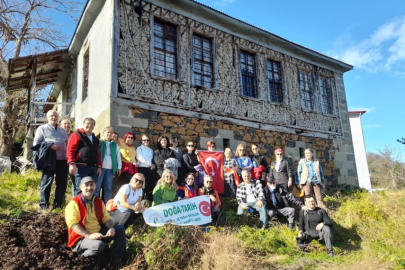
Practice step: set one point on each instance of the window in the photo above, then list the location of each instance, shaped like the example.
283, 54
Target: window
327, 95
165, 51
306, 89
202, 61
274, 80
85, 74
247, 67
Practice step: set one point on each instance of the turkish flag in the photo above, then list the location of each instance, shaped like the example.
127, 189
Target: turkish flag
213, 164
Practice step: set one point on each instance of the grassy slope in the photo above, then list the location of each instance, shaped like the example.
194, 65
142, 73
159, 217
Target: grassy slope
368, 234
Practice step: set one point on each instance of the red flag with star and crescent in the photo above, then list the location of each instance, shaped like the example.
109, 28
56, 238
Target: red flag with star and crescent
213, 164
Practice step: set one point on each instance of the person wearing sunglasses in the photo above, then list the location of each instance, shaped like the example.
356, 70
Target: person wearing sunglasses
280, 170
243, 160
128, 200
207, 190
144, 156
259, 160
190, 159
166, 189
128, 156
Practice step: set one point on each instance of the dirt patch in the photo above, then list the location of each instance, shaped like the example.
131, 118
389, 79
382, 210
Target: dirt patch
39, 241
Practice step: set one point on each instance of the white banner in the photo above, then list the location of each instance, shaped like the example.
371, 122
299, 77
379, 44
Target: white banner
194, 211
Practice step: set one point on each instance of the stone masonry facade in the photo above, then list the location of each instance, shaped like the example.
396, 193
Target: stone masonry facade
337, 163
154, 105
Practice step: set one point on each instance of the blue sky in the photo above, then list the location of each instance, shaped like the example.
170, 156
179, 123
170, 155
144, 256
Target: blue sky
370, 35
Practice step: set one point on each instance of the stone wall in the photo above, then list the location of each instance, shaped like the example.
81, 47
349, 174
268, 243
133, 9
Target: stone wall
155, 105
137, 81
336, 159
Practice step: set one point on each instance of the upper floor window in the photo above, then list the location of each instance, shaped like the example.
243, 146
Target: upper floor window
248, 72
86, 63
327, 95
202, 61
274, 80
306, 89
165, 49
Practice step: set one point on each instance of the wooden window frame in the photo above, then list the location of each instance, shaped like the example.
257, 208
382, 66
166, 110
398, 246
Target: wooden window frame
277, 95
326, 92
202, 61
86, 71
253, 88
168, 70
306, 89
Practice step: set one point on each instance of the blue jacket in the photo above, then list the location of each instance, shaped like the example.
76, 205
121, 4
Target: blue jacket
44, 157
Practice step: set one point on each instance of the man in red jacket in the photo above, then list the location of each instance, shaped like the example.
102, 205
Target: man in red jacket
83, 154
90, 227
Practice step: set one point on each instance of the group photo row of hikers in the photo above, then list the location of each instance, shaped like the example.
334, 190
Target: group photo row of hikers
147, 177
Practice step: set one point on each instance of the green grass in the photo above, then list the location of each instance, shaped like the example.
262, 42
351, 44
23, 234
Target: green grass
368, 229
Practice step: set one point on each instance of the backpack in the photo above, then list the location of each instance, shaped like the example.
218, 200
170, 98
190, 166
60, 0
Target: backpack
111, 205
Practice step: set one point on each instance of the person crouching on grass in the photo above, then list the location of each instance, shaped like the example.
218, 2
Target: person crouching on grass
215, 202
249, 195
90, 227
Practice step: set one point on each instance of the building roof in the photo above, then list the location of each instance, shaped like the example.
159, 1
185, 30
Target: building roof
357, 112
258, 28
49, 69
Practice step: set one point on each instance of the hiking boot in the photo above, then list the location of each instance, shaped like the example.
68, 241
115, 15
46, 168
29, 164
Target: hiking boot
117, 263
264, 227
291, 227
331, 254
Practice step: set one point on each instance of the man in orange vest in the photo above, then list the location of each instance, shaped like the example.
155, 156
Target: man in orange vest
90, 227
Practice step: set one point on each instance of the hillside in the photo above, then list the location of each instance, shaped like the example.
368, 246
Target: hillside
368, 234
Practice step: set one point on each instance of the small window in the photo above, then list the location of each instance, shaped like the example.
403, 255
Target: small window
165, 49
86, 73
248, 72
274, 80
202, 61
226, 143
305, 82
327, 95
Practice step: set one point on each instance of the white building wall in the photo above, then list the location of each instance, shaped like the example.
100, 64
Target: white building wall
99, 42
359, 150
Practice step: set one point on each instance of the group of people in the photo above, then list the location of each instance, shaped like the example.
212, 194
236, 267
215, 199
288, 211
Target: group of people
163, 175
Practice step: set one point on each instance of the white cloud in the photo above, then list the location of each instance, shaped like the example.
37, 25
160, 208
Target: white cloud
369, 126
381, 51
369, 110
223, 2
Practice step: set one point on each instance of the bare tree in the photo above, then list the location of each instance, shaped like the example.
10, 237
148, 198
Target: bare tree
26, 27
387, 168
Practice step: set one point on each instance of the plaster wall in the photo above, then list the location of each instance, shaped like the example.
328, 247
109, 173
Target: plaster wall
99, 43
360, 151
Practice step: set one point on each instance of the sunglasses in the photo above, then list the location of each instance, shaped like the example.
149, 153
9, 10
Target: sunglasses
138, 181
130, 138
279, 154
190, 145
145, 140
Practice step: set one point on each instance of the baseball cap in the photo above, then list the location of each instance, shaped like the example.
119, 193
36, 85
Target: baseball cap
86, 179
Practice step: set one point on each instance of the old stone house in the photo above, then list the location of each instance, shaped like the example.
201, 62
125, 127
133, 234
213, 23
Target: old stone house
183, 69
